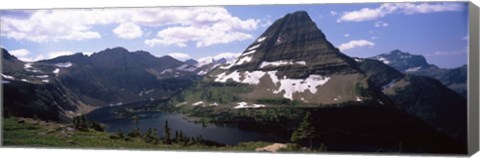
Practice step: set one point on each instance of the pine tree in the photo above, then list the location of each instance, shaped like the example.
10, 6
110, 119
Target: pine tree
304, 131
166, 133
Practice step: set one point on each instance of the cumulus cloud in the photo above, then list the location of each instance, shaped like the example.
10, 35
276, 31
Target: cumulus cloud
180, 56
380, 24
20, 52
128, 31
205, 36
32, 59
346, 35
78, 24
59, 53
355, 44
223, 28
366, 14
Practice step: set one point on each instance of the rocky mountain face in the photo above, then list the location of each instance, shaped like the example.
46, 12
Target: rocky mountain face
292, 64
291, 60
455, 78
78, 83
423, 97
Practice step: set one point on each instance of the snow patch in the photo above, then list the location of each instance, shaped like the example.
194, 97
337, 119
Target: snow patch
56, 71
228, 66
291, 86
198, 103
249, 52
243, 105
8, 77
214, 104
28, 66
45, 81
5, 82
235, 76
42, 76
281, 62
358, 59
254, 47
273, 77
413, 69
64, 65
166, 71
24, 80
203, 72
244, 60
382, 59
358, 99
261, 39
252, 78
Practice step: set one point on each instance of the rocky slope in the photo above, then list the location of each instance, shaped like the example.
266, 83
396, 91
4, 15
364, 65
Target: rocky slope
75, 84
455, 78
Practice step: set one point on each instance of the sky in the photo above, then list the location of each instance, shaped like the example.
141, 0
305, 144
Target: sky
439, 31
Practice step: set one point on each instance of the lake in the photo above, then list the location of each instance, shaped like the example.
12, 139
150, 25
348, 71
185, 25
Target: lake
222, 134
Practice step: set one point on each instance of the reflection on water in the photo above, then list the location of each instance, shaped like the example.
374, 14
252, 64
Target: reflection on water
220, 134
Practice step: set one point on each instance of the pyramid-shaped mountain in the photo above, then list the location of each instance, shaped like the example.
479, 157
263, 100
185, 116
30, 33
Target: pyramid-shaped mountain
292, 60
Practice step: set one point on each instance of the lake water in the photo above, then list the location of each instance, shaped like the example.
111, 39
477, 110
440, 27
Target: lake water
220, 134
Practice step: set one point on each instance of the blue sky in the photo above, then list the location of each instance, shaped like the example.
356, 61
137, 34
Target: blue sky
436, 30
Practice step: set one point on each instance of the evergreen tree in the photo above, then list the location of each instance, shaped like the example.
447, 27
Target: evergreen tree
166, 133
304, 131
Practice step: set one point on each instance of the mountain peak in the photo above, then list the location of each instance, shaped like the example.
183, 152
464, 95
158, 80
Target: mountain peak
295, 41
403, 61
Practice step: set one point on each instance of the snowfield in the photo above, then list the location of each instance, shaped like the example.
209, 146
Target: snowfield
64, 65
254, 47
280, 63
244, 60
287, 86
42, 76
8, 77
413, 69
243, 105
382, 59
249, 52
291, 86
198, 103
261, 39
56, 71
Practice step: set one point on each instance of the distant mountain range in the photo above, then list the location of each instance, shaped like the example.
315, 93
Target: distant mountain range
455, 78
290, 65
108, 78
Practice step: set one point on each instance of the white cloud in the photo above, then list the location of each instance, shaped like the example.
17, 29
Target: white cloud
366, 14
355, 44
128, 31
206, 36
180, 56
465, 37
79, 24
59, 53
346, 35
20, 52
223, 28
37, 58
374, 37
333, 13
381, 24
